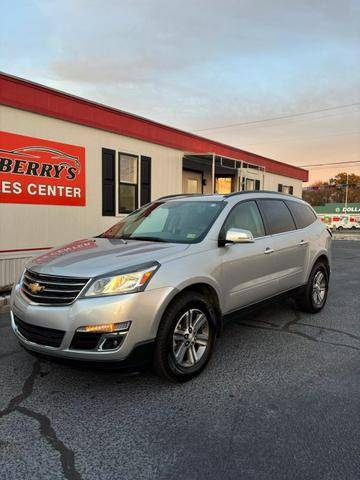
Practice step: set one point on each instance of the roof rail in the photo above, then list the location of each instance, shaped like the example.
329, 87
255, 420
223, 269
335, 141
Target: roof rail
228, 195
176, 195
234, 194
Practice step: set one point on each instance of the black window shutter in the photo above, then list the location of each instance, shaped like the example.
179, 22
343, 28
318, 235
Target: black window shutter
291, 190
145, 187
280, 187
257, 184
108, 182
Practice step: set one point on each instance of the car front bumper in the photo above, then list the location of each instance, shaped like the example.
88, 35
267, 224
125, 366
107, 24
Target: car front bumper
143, 310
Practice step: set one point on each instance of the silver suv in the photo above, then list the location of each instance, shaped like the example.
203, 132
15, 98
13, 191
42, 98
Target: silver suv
159, 284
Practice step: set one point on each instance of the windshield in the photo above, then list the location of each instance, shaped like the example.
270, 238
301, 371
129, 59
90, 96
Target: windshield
172, 221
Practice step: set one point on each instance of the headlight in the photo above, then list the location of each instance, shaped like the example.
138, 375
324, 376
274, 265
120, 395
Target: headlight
129, 282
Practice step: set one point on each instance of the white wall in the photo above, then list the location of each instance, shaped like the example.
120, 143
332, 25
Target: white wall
31, 226
272, 181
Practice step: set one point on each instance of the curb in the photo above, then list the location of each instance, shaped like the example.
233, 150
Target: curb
347, 237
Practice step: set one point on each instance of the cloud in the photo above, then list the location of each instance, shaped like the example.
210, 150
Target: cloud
125, 41
198, 63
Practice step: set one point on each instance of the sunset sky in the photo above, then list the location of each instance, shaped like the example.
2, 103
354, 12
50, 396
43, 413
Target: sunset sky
203, 64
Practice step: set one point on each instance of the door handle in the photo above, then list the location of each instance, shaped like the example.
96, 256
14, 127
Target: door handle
303, 242
268, 250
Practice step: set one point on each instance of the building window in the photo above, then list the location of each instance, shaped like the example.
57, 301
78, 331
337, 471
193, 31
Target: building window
248, 184
128, 183
289, 189
224, 184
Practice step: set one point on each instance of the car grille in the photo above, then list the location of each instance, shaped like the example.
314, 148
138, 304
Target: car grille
56, 290
40, 335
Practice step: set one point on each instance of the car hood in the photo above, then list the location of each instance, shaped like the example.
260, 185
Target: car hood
97, 256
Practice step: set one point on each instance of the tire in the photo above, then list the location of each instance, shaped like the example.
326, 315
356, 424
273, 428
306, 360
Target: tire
183, 313
340, 228
312, 298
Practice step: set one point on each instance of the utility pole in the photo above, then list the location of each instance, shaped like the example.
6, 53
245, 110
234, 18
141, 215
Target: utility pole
346, 190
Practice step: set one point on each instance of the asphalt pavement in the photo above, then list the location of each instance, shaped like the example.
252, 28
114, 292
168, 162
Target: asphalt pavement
279, 400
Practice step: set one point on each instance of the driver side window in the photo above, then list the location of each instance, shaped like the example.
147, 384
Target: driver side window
245, 216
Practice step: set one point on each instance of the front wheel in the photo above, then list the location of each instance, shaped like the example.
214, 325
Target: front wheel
185, 338
313, 296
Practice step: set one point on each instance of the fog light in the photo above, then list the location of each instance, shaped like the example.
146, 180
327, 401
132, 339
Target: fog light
111, 343
105, 328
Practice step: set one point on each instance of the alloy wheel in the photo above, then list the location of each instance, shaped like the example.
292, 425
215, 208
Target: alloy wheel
190, 338
319, 288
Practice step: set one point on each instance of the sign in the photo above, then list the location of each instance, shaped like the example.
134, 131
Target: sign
348, 209
338, 208
37, 171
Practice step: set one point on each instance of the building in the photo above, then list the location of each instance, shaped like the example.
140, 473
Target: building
69, 168
340, 215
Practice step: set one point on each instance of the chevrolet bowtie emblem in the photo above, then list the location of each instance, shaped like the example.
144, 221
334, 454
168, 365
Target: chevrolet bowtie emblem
35, 287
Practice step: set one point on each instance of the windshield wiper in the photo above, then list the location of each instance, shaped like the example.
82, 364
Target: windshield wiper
128, 237
123, 239
148, 239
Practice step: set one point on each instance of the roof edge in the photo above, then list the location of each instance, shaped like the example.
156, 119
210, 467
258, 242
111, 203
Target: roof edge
30, 96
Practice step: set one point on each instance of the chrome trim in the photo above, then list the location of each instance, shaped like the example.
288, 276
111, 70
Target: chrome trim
47, 296
27, 295
55, 276
52, 289
103, 338
303, 242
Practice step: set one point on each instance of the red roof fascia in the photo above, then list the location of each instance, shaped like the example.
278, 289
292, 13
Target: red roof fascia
23, 94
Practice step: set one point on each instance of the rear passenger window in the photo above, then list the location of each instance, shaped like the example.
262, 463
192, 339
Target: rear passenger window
246, 216
302, 214
278, 216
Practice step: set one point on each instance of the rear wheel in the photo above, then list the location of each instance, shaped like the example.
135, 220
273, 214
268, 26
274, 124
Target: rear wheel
186, 338
313, 296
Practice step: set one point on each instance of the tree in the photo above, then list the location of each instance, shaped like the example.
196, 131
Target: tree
334, 190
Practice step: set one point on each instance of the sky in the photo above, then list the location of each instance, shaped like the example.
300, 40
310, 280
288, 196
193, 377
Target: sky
203, 64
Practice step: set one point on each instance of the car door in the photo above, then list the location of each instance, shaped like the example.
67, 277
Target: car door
290, 246
247, 268
304, 217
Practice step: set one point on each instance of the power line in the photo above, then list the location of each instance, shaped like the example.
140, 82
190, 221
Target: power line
300, 139
328, 164
300, 120
277, 118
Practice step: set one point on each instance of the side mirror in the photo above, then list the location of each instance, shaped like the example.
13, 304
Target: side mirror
237, 235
